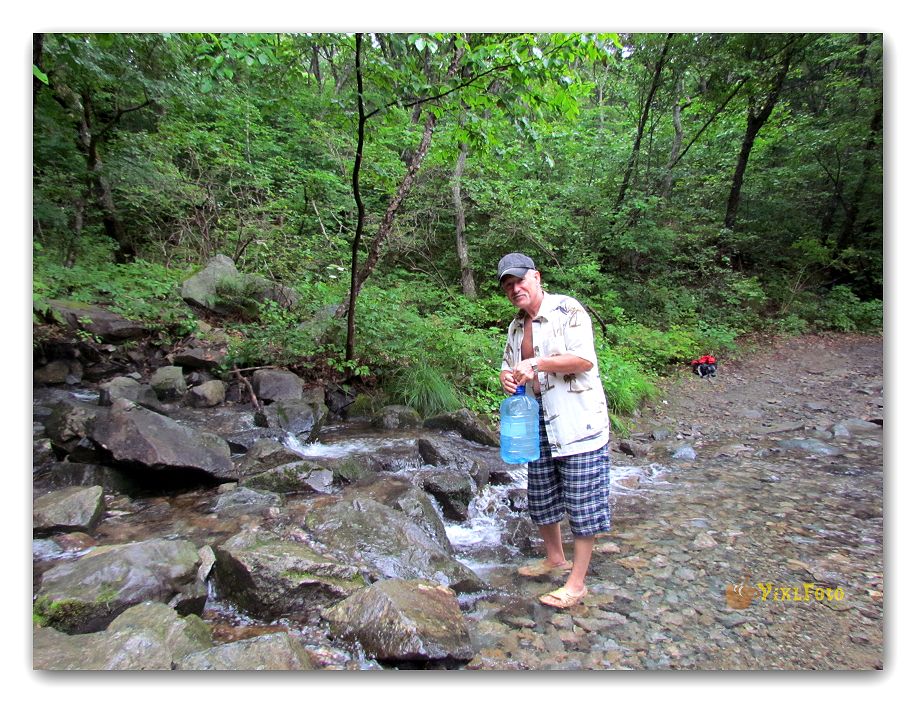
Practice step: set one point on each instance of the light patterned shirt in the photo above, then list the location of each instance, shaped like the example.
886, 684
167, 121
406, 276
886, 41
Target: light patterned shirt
573, 404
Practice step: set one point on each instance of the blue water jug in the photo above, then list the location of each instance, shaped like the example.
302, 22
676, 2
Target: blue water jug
519, 439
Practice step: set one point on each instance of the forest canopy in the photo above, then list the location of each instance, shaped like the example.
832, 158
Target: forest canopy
688, 188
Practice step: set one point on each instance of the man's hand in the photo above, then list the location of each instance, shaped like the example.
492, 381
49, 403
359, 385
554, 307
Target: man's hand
524, 371
506, 378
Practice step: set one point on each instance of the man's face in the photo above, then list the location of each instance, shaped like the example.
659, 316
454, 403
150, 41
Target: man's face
522, 292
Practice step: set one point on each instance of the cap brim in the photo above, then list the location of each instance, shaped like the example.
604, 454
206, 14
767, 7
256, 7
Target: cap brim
517, 272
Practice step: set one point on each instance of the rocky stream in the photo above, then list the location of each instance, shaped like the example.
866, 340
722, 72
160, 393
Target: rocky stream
178, 526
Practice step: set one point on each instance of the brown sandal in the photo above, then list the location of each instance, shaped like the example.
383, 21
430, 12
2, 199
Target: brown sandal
563, 598
543, 568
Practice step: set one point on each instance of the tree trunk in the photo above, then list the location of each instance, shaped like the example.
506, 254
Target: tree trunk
461, 243
755, 122
668, 180
634, 153
37, 48
360, 207
846, 236
358, 275
114, 228
81, 111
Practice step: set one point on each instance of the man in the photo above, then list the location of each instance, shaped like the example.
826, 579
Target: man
551, 350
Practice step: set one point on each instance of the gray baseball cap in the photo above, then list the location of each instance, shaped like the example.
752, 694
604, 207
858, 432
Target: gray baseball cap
515, 264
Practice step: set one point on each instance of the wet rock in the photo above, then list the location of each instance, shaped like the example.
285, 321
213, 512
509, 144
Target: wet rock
134, 434
302, 418
75, 509
65, 474
454, 489
149, 636
388, 543
278, 651
465, 423
168, 383
207, 394
809, 446
86, 594
271, 577
684, 453
295, 477
71, 421
264, 454
437, 453
271, 385
414, 503
395, 417
631, 448
403, 620
246, 501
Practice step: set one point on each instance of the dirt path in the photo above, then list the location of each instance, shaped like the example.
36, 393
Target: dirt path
785, 490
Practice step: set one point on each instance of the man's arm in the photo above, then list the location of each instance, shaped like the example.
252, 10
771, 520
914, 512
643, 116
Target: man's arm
559, 363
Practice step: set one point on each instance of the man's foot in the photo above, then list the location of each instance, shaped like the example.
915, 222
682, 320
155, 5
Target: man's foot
544, 568
563, 598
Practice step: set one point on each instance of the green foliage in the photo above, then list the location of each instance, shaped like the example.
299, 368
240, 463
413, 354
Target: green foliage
246, 148
424, 388
626, 383
141, 290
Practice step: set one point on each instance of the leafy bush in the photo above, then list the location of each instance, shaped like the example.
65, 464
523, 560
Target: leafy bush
839, 309
626, 383
140, 290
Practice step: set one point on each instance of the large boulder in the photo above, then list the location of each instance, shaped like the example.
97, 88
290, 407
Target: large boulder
465, 423
168, 383
263, 455
59, 371
135, 435
96, 321
453, 488
276, 384
149, 636
86, 594
207, 395
65, 474
437, 453
396, 417
387, 542
71, 422
245, 501
220, 287
302, 418
76, 509
403, 620
415, 503
271, 576
200, 357
277, 651
296, 477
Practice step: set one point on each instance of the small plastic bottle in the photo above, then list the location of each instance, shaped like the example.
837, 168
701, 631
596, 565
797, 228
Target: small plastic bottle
519, 439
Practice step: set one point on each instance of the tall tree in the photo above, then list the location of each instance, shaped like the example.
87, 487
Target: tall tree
644, 117
760, 107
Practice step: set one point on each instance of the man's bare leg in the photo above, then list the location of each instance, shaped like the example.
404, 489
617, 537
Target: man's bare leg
582, 557
554, 543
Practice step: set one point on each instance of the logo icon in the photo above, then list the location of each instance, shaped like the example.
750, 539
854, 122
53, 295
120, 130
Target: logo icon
740, 596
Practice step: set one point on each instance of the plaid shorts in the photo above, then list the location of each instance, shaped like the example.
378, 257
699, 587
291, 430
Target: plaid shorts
577, 487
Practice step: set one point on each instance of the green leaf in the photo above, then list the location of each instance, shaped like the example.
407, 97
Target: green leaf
39, 74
